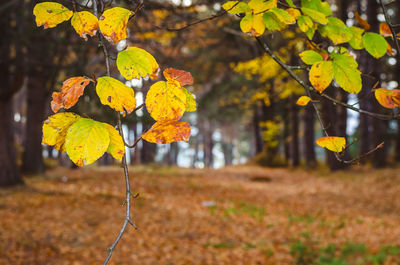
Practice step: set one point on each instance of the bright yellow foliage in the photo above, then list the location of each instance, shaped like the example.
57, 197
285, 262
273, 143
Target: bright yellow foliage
332, 143
303, 101
116, 147
55, 129
87, 140
50, 14
115, 94
135, 63
166, 100
113, 23
321, 75
85, 23
253, 24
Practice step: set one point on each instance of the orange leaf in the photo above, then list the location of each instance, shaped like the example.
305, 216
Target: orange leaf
168, 131
183, 77
332, 143
71, 90
390, 51
363, 23
384, 30
388, 98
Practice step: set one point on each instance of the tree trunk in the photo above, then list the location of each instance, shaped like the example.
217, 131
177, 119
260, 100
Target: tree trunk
257, 130
36, 108
294, 132
9, 174
309, 136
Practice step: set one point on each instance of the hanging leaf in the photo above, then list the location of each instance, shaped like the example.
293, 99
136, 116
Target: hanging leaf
115, 94
290, 3
87, 140
321, 75
388, 98
346, 73
116, 147
336, 31
375, 44
317, 5
332, 143
357, 42
390, 51
272, 22
50, 14
85, 24
310, 57
294, 12
113, 23
55, 129
236, 7
305, 23
253, 24
363, 23
135, 63
166, 101
384, 30
184, 78
168, 131
71, 90
315, 15
190, 101
303, 101
259, 6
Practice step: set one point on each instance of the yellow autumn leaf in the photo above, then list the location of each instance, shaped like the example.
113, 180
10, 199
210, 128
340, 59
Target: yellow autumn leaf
258, 6
332, 143
135, 63
85, 23
116, 147
303, 101
166, 100
253, 24
86, 141
50, 14
71, 90
55, 129
113, 23
115, 94
168, 131
321, 75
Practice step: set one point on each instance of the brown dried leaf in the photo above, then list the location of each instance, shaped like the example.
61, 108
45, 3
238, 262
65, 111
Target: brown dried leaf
183, 77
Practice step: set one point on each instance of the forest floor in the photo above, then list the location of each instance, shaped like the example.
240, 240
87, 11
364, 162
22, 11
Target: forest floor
236, 215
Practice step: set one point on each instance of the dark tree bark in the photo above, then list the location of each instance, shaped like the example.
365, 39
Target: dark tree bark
294, 132
257, 130
286, 132
9, 174
208, 145
309, 136
36, 112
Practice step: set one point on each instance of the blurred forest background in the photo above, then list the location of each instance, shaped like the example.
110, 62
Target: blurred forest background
246, 102
274, 199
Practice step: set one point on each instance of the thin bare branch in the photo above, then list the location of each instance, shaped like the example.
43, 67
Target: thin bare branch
394, 35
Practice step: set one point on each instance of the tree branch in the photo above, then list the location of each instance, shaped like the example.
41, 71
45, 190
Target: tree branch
391, 27
128, 191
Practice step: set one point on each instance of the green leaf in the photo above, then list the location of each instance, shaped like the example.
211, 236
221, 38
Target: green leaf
310, 33
290, 3
115, 94
346, 74
190, 101
317, 5
336, 30
283, 16
310, 57
315, 15
86, 141
272, 23
236, 7
375, 44
357, 41
135, 63
305, 23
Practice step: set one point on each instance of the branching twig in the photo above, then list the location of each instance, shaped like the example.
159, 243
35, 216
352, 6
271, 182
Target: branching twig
396, 42
128, 195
